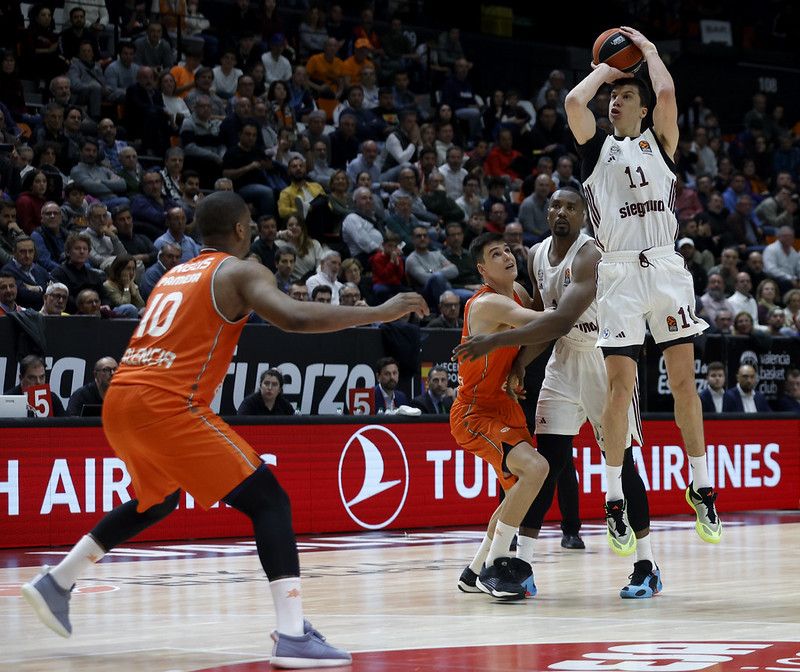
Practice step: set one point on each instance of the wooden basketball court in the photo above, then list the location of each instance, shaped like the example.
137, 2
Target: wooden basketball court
391, 599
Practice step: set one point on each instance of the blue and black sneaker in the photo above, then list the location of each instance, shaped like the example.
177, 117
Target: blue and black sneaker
523, 573
644, 582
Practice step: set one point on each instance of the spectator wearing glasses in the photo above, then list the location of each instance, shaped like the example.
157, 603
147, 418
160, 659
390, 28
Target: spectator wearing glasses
55, 300
93, 393
449, 308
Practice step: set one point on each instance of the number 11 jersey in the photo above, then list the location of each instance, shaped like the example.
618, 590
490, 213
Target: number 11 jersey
630, 190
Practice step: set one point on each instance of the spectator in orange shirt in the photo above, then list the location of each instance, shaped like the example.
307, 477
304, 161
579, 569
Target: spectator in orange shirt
184, 73
352, 67
325, 71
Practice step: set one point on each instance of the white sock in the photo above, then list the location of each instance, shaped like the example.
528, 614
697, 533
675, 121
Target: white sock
480, 557
287, 597
501, 542
699, 472
614, 483
83, 554
525, 547
644, 550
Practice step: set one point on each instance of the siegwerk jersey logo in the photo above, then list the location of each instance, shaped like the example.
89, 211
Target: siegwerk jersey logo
373, 471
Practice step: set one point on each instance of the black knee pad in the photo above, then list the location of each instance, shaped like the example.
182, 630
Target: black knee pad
258, 492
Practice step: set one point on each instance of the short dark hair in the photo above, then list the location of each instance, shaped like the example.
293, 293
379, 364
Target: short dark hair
477, 246
28, 362
217, 214
272, 373
190, 173
383, 362
119, 210
21, 239
715, 366
321, 289
641, 86
438, 368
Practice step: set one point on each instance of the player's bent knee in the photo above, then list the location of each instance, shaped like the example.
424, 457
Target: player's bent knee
163, 509
258, 492
526, 463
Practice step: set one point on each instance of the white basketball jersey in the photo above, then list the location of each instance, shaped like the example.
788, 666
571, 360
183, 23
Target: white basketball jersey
553, 280
631, 195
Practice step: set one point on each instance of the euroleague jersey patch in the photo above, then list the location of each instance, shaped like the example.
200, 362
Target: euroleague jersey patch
645, 147
672, 323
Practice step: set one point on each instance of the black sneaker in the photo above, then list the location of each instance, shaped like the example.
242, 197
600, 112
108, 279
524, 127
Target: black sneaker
573, 541
500, 581
644, 582
523, 574
466, 582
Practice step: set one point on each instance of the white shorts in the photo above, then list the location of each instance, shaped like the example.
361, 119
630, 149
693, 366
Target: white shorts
630, 295
574, 390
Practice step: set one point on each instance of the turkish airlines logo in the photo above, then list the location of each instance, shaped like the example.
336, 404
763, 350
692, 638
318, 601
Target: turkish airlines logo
373, 477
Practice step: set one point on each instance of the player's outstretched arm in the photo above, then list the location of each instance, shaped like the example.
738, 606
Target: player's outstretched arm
580, 118
665, 111
500, 311
253, 288
551, 324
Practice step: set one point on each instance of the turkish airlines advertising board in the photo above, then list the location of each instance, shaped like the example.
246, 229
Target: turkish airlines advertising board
56, 482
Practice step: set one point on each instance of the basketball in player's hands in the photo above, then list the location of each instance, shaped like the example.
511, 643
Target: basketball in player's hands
614, 48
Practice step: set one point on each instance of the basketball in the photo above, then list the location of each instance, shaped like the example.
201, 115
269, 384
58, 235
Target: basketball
618, 51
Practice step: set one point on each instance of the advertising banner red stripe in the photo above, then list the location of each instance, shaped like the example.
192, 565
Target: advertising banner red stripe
55, 483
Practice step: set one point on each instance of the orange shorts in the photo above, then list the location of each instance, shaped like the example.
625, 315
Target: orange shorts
166, 445
482, 431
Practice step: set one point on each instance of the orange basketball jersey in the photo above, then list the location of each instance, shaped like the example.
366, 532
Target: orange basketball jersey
183, 345
482, 382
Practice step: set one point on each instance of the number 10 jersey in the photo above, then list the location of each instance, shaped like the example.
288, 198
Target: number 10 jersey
183, 344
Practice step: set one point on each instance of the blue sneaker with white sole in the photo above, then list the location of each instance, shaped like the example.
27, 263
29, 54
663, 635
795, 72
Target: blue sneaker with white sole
309, 650
644, 582
50, 602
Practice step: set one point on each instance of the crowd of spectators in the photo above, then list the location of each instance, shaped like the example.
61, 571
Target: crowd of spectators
367, 156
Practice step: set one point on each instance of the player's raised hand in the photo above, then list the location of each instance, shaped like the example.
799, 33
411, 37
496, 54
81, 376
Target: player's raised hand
474, 347
637, 38
402, 304
611, 74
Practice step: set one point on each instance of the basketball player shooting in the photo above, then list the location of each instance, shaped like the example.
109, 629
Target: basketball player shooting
629, 181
